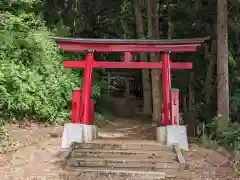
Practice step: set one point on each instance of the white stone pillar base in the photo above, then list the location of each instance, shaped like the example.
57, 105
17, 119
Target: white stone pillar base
173, 135
80, 133
161, 134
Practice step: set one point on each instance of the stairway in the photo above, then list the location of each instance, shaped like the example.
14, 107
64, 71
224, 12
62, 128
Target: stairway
143, 159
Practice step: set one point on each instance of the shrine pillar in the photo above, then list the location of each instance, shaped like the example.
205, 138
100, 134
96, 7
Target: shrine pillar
83, 131
87, 88
166, 106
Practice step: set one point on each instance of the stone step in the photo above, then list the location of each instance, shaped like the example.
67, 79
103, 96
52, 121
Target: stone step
78, 152
127, 164
165, 157
123, 158
132, 142
133, 173
127, 146
145, 160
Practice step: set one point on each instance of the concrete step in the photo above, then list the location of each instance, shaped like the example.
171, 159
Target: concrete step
123, 158
118, 151
130, 173
145, 160
73, 162
126, 146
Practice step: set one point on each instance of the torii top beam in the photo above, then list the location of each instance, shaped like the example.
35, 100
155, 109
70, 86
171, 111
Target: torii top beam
130, 45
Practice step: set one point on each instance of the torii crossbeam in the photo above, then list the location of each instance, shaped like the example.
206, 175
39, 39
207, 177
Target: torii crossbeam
128, 47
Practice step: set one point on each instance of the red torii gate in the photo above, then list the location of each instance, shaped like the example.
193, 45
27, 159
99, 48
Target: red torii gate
166, 47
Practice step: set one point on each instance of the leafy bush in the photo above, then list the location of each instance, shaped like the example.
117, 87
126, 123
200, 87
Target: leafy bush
33, 81
231, 138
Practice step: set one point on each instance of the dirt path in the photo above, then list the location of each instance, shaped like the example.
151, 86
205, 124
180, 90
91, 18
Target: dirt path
37, 156
128, 129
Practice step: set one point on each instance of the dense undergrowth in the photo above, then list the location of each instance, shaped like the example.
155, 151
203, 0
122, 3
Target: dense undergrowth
229, 139
33, 81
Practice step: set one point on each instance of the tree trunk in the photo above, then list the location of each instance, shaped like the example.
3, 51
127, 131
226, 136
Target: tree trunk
191, 108
208, 86
153, 32
146, 83
222, 65
185, 109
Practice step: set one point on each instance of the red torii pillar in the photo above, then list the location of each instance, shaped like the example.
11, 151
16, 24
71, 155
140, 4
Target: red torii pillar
87, 88
166, 87
128, 46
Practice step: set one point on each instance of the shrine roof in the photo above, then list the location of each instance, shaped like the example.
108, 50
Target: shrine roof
132, 41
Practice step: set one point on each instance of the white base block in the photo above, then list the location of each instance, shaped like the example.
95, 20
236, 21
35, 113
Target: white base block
177, 135
161, 134
79, 133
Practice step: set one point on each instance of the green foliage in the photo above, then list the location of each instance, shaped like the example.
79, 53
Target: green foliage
96, 18
18, 6
230, 138
33, 81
